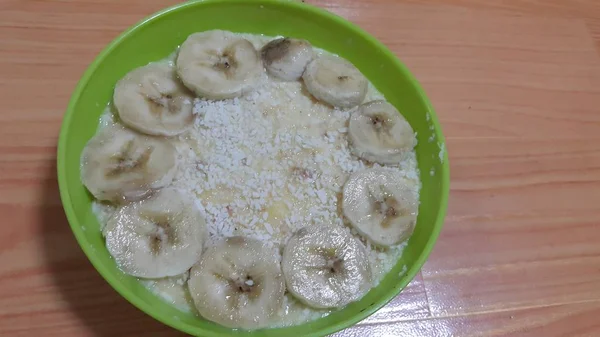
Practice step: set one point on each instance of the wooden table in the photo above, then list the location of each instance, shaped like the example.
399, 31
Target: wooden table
516, 85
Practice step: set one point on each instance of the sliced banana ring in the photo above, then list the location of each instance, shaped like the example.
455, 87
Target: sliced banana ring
378, 132
151, 100
217, 64
238, 284
286, 58
120, 165
158, 237
380, 205
326, 267
335, 81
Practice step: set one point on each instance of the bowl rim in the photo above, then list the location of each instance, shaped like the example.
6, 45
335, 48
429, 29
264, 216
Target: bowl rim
176, 324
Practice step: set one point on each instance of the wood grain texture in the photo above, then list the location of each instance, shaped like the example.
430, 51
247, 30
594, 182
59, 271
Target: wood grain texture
516, 85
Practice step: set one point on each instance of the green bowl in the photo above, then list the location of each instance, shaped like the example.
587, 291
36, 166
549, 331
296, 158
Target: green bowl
158, 36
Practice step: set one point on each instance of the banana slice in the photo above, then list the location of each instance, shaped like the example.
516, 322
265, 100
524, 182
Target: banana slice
217, 64
151, 100
378, 203
286, 58
238, 284
377, 132
173, 290
120, 165
335, 81
326, 267
157, 237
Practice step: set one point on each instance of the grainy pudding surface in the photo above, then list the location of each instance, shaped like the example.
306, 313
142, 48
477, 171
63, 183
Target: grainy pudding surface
265, 165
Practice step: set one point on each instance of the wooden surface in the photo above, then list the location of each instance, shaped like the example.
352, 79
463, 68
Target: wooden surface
516, 85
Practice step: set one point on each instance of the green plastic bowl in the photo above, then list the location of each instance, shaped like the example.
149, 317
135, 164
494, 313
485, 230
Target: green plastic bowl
158, 36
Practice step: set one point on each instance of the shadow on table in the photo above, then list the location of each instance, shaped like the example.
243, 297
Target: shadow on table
101, 309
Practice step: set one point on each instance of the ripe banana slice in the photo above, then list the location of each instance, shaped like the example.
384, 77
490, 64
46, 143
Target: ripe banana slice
157, 237
217, 64
335, 81
238, 284
286, 58
378, 132
326, 267
121, 165
173, 290
380, 205
151, 100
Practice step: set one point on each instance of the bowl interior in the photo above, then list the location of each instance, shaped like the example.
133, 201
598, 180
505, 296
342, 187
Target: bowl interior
157, 37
